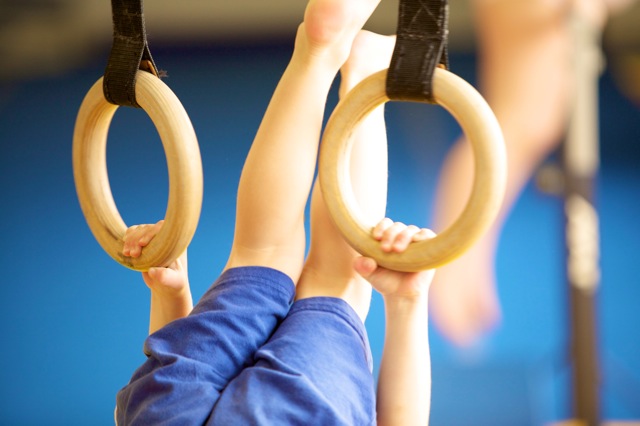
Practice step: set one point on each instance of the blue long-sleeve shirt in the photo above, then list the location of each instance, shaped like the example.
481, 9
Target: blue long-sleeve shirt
245, 355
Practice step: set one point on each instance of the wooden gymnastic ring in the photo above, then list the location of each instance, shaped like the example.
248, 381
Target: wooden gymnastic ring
482, 130
184, 167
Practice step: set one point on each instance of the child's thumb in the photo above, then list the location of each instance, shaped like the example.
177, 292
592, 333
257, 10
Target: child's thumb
365, 266
154, 273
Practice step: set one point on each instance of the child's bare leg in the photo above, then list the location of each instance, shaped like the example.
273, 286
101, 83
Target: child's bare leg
278, 173
329, 267
525, 75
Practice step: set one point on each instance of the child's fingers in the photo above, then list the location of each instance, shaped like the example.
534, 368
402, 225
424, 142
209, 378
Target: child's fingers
396, 236
130, 240
390, 235
423, 234
145, 239
139, 236
411, 234
404, 238
381, 227
148, 232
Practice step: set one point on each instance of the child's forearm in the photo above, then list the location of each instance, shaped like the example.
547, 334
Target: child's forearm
165, 309
404, 385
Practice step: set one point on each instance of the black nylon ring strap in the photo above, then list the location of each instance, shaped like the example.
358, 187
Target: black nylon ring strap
421, 45
129, 53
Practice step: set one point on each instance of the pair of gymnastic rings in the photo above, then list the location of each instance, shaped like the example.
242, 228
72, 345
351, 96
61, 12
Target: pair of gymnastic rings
186, 184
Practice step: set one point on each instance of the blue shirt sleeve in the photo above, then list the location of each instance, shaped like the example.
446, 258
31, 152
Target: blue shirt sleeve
191, 360
315, 370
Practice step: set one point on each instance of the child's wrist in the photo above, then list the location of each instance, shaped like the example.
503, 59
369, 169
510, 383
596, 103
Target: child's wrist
170, 295
180, 302
416, 300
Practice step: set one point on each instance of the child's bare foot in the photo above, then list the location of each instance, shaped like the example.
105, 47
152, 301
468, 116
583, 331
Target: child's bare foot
370, 53
330, 27
597, 12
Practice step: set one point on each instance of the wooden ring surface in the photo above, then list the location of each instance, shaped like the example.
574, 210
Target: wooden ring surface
184, 168
482, 130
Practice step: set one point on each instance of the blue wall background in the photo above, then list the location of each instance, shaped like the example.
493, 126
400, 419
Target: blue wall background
72, 321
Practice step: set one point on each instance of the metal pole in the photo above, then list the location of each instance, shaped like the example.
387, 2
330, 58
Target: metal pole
581, 163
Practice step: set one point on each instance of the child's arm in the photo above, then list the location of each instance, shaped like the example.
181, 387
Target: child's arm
170, 293
404, 384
